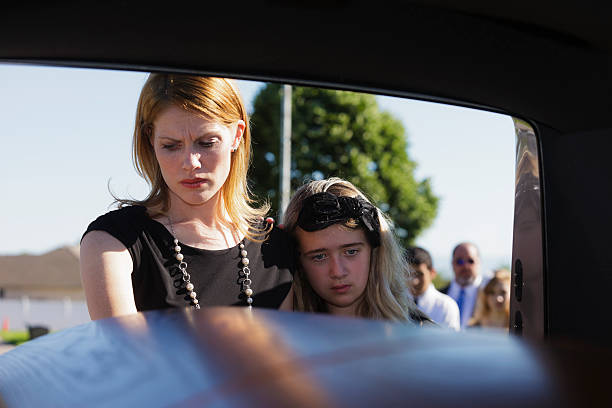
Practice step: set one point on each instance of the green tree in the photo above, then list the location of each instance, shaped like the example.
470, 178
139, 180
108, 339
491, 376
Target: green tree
343, 134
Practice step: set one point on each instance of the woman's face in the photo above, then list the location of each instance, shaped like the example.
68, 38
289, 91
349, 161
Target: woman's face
194, 154
499, 298
336, 262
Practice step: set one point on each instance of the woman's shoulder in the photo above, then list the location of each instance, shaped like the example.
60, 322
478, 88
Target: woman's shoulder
124, 223
128, 214
267, 232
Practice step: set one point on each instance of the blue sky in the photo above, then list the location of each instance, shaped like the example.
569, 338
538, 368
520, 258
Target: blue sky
66, 137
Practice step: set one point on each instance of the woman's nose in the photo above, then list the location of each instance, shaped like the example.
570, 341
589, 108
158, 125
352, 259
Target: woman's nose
192, 161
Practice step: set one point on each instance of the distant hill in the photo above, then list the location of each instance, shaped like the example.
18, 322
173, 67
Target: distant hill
54, 274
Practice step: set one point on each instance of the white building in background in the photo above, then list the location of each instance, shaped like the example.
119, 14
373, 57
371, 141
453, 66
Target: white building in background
52, 275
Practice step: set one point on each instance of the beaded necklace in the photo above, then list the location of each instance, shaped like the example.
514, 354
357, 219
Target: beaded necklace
245, 272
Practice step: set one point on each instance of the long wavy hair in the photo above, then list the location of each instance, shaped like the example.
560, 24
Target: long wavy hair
385, 292
215, 99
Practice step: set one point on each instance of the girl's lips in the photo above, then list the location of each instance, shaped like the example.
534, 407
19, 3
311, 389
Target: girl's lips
341, 288
193, 183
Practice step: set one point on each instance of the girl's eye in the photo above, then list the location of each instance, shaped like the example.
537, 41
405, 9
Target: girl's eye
169, 146
352, 251
318, 257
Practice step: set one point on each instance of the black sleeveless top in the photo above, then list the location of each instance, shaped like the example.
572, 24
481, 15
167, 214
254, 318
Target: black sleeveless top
157, 280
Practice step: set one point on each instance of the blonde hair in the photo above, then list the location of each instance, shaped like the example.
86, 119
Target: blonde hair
215, 99
482, 312
385, 293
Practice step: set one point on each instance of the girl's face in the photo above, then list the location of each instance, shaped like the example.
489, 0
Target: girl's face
336, 262
194, 154
499, 298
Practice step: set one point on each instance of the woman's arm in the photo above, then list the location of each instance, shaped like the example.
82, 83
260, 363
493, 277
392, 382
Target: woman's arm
106, 268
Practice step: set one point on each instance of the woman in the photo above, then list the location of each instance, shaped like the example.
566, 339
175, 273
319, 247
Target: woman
348, 261
493, 303
196, 239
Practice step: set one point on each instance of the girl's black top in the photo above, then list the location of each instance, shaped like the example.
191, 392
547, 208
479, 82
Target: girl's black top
158, 282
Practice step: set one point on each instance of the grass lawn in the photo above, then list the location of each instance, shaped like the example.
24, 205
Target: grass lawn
15, 337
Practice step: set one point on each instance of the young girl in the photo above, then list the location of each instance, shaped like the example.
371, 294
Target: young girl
493, 303
348, 261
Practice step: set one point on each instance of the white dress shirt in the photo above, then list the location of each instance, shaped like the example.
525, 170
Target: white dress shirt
440, 308
469, 299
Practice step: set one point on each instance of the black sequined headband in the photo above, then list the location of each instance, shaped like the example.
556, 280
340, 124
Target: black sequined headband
324, 209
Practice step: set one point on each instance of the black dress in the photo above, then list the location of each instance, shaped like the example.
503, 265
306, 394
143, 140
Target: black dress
157, 280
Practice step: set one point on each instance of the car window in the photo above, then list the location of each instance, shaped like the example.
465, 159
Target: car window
444, 174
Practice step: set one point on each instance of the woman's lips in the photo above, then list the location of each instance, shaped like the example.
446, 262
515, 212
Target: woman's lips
193, 183
341, 288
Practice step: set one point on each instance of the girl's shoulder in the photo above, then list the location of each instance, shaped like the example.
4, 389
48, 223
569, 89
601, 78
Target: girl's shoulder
277, 249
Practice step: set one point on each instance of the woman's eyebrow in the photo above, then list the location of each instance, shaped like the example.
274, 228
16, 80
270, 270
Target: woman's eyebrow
198, 135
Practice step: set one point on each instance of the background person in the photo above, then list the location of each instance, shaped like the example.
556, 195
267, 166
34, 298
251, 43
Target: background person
441, 308
493, 304
195, 239
348, 261
467, 279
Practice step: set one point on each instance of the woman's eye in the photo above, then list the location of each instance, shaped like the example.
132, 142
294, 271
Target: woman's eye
169, 146
207, 142
352, 251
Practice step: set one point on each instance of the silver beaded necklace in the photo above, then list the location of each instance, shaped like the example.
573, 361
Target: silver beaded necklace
245, 272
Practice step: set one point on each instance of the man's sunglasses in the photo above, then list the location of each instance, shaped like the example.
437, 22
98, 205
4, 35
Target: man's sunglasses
462, 262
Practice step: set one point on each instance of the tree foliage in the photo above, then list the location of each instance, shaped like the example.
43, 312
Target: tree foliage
343, 134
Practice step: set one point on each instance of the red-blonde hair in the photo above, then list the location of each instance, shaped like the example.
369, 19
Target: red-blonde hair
215, 99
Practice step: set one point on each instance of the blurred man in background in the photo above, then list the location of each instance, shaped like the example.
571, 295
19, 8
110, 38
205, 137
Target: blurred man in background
464, 287
438, 306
